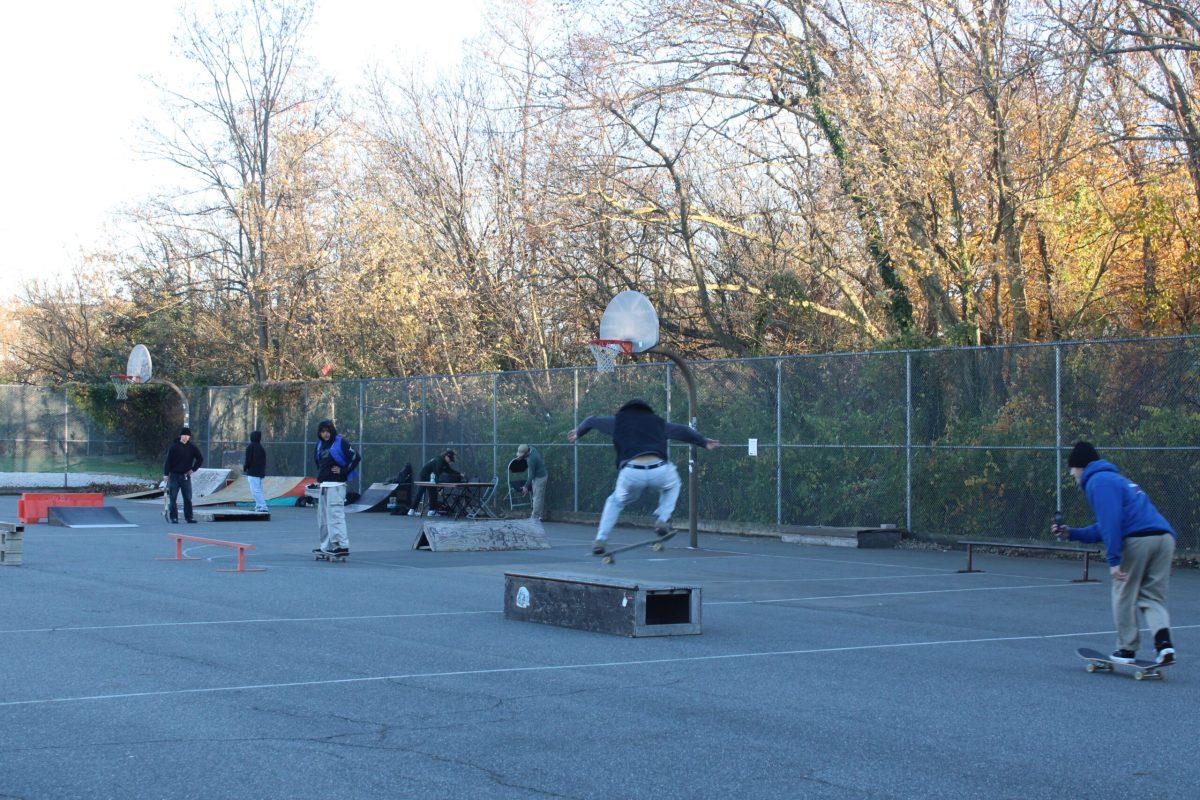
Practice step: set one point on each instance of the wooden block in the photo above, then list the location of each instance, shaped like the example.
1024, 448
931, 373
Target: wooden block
444, 536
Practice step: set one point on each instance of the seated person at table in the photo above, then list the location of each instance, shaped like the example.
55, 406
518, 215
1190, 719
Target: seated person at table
440, 470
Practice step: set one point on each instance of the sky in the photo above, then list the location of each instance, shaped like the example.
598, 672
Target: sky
76, 95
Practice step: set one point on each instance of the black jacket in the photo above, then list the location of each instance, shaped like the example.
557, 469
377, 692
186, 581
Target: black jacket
638, 431
438, 466
256, 457
182, 458
325, 459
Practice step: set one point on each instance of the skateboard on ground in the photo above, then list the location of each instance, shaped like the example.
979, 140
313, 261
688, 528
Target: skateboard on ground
1099, 662
656, 544
321, 555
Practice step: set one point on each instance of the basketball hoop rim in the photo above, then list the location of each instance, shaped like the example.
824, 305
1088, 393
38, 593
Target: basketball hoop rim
625, 346
118, 376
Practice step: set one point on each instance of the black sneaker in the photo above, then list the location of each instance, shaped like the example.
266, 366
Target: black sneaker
174, 522
1166, 655
1123, 656
192, 521
661, 530
598, 548
341, 551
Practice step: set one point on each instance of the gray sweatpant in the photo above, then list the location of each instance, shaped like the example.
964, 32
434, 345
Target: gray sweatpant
1147, 562
331, 515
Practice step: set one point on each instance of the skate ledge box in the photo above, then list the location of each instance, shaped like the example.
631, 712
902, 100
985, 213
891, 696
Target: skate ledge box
602, 604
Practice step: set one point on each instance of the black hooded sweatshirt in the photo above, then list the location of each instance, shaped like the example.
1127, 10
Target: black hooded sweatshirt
637, 430
256, 457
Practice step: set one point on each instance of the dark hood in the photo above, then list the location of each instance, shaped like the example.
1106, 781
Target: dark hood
327, 425
256, 436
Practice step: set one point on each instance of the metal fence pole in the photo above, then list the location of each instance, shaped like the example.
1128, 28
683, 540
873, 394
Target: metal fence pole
424, 393
908, 441
362, 414
66, 438
495, 429
1057, 427
208, 428
779, 441
575, 446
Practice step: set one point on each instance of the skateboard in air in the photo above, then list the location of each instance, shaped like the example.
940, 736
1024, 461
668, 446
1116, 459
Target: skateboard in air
1143, 670
323, 555
656, 544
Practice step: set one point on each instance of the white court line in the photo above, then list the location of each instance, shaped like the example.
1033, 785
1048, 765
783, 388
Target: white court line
249, 621
899, 594
554, 667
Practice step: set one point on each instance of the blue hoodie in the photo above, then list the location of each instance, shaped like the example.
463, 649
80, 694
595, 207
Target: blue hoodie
1121, 508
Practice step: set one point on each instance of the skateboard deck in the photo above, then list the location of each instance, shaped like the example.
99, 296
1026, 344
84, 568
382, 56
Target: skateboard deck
1099, 662
323, 556
656, 544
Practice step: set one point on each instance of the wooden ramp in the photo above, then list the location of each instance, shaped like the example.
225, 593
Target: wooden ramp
239, 491
455, 536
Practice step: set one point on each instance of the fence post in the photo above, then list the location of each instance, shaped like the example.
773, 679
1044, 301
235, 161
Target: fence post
575, 446
424, 393
362, 414
1058, 427
779, 441
908, 442
66, 438
495, 430
208, 428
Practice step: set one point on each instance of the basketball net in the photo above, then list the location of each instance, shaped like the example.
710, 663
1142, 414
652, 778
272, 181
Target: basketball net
606, 351
121, 384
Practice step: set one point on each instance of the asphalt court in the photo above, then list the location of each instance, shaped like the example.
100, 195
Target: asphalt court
821, 672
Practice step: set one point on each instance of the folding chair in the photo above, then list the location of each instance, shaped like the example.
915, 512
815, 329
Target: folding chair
518, 478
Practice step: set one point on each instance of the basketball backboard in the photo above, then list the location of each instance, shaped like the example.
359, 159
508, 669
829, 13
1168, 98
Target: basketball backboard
630, 317
139, 367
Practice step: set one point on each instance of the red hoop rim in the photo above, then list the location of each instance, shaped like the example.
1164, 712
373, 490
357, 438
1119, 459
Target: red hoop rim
117, 376
626, 346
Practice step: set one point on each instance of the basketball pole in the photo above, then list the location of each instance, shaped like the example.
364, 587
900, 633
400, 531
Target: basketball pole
182, 398
686, 372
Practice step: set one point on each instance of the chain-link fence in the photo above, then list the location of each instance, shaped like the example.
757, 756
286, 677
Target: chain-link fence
954, 442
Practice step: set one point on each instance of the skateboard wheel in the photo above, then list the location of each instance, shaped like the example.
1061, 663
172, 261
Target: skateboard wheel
1090, 667
657, 547
607, 559
1139, 675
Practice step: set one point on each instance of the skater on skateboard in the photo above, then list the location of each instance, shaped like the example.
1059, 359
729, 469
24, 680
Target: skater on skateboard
640, 440
183, 458
1139, 545
336, 461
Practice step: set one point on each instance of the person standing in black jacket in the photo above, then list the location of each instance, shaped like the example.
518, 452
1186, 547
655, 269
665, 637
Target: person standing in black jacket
255, 469
183, 458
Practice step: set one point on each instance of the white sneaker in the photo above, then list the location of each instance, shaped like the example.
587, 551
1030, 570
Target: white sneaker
412, 513
431, 513
1166, 655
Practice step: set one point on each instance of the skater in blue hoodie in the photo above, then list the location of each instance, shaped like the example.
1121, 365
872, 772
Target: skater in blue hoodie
1139, 545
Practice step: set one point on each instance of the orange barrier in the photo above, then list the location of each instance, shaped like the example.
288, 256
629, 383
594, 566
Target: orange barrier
32, 505
241, 551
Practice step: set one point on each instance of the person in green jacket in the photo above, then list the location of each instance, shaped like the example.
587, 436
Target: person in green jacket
536, 482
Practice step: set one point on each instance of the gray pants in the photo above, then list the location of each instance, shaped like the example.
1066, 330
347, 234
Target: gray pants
1147, 562
538, 488
331, 515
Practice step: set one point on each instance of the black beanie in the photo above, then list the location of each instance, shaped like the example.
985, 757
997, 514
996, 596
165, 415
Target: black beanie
1082, 454
185, 431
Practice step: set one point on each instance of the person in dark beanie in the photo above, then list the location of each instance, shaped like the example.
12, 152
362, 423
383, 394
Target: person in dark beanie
336, 462
640, 439
1139, 545
183, 458
255, 469
439, 469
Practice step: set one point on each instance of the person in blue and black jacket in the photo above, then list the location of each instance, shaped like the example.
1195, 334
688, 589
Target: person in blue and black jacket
1139, 544
640, 439
336, 463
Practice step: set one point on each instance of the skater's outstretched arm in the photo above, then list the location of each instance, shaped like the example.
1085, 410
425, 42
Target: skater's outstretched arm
686, 433
606, 425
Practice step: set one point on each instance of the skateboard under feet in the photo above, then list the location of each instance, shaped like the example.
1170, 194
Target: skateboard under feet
656, 544
321, 555
1143, 670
